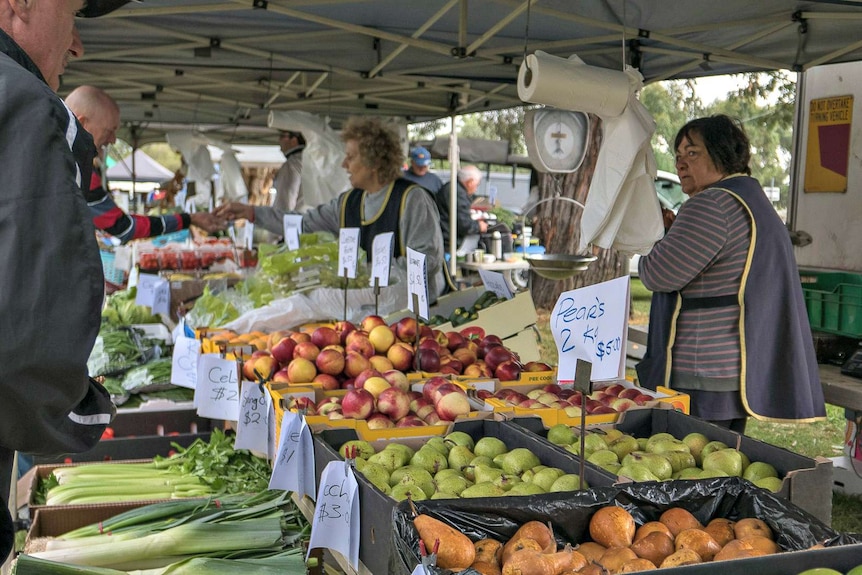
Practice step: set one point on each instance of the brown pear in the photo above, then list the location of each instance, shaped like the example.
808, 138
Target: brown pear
721, 530
680, 558
527, 561
699, 541
651, 526
515, 545
752, 526
761, 543
615, 557
591, 550
655, 546
593, 569
485, 568
538, 531
732, 550
612, 526
637, 565
488, 551
678, 519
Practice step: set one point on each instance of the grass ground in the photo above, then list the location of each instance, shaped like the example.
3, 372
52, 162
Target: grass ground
823, 439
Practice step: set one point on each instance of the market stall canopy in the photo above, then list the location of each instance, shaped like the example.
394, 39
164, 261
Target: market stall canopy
226, 64
146, 169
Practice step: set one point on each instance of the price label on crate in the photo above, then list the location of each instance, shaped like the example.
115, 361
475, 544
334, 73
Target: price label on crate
293, 469
184, 362
590, 324
153, 292
417, 283
292, 225
336, 516
495, 282
348, 251
217, 388
255, 414
381, 258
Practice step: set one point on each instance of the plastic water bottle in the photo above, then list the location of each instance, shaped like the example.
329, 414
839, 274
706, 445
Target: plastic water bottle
497, 245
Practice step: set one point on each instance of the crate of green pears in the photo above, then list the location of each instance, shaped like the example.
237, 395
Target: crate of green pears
663, 444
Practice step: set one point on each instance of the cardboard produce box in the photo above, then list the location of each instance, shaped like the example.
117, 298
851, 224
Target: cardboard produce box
569, 515
376, 507
807, 482
503, 319
56, 521
526, 344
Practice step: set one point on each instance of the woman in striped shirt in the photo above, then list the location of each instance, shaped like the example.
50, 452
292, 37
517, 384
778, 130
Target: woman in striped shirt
736, 330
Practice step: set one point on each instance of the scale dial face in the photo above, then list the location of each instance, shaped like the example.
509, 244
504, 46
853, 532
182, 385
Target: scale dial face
558, 140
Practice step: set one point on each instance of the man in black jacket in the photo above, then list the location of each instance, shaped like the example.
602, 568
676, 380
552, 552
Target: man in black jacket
52, 286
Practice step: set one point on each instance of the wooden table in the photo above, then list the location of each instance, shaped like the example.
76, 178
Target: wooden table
839, 389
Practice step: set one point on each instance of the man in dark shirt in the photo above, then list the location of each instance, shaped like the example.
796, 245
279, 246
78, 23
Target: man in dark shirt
420, 172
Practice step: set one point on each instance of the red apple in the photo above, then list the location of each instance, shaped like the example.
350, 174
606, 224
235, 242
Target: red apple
432, 419
300, 336
360, 344
465, 355
248, 364
393, 402
630, 393
537, 366
359, 382
602, 409
405, 329
381, 338
283, 350
343, 328
567, 392
614, 389
429, 388
622, 404
509, 370
484, 394
452, 405
357, 404
379, 421
327, 381
643, 399
369, 322
302, 404
410, 421
448, 360
429, 360
281, 376
454, 340
335, 413
325, 407
401, 356
329, 361
376, 385
355, 363
348, 383
421, 407
445, 389
380, 362
552, 388
324, 335
265, 367
306, 350
397, 379
496, 355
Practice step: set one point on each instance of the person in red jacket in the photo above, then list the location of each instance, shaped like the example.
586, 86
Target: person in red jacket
99, 113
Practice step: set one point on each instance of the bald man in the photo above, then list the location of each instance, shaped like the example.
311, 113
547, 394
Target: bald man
99, 113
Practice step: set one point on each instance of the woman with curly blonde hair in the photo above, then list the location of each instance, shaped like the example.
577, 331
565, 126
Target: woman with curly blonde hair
380, 201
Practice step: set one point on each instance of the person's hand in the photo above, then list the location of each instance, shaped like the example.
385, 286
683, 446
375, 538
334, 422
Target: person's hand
208, 222
483, 226
667, 217
235, 211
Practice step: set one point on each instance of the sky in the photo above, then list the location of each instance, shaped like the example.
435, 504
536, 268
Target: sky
712, 88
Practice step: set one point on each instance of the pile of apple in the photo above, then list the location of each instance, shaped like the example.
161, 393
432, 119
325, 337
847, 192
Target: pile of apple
384, 404
343, 356
662, 456
457, 466
613, 398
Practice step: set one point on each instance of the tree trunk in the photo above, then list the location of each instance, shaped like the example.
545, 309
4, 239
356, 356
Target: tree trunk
558, 224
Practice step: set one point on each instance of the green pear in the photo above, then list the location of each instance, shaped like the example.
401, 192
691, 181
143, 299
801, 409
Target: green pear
519, 460
709, 473
622, 446
726, 460
390, 459
410, 475
821, 571
546, 477
636, 472
773, 484
611, 468
525, 488
657, 464
484, 474
710, 447
573, 448
490, 447
695, 441
483, 460
404, 453
690, 473
429, 459
608, 435
445, 473
642, 441
680, 460
486, 489
455, 484
567, 482
603, 457
376, 474
758, 470
666, 445
856, 570
460, 438
460, 457
594, 442
443, 495
507, 481
364, 449
359, 463
405, 448
439, 444
561, 434
661, 436
402, 491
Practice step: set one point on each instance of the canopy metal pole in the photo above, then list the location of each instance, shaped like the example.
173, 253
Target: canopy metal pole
453, 198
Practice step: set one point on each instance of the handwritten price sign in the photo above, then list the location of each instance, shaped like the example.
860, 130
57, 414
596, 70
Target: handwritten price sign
348, 251
381, 258
417, 283
336, 515
293, 469
184, 362
590, 324
292, 225
217, 388
153, 292
255, 418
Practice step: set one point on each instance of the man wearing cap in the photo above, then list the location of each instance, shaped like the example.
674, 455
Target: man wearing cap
418, 171
288, 196
52, 287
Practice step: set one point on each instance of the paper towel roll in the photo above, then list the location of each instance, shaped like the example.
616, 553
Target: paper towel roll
569, 84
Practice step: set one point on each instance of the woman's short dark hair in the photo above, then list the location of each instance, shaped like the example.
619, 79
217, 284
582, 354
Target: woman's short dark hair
725, 140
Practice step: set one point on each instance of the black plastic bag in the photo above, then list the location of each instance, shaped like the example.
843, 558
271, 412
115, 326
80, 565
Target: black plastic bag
570, 513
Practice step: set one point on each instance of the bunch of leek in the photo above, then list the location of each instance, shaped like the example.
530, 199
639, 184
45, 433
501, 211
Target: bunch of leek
248, 534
